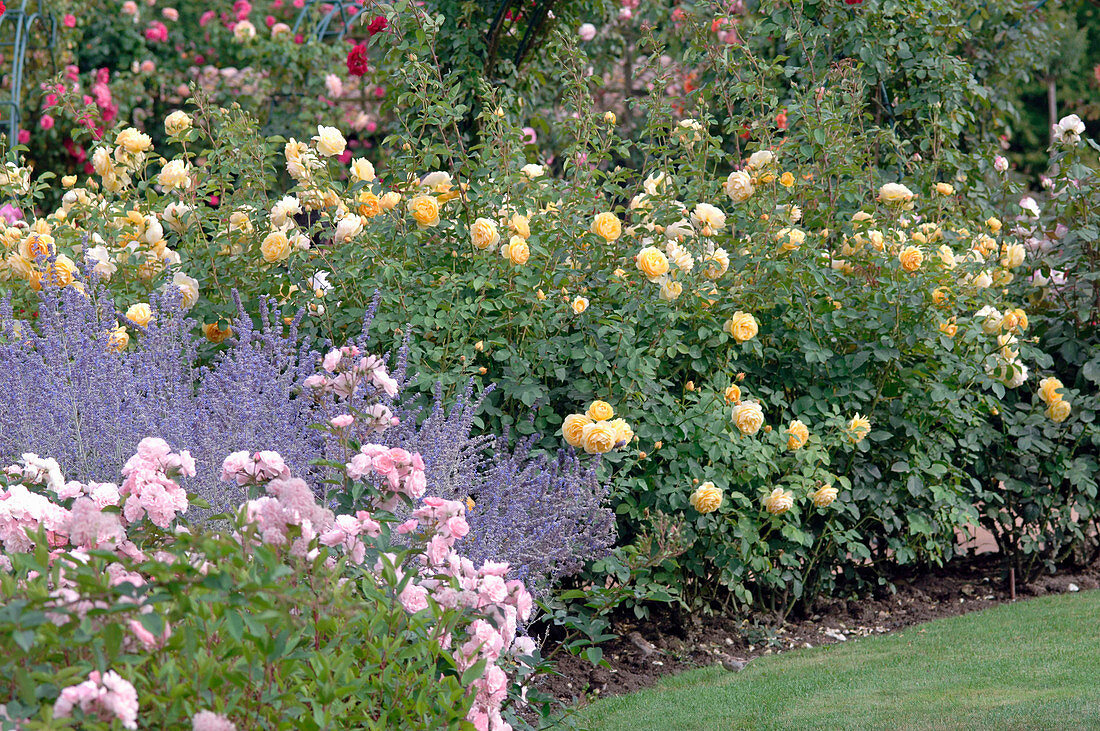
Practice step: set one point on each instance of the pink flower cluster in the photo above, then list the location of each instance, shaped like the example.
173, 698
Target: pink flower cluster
347, 368
255, 469
402, 471
210, 721
149, 486
103, 698
289, 502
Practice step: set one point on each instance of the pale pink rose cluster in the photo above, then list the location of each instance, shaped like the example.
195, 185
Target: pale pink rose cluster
346, 369
289, 502
102, 697
253, 469
346, 533
149, 487
401, 471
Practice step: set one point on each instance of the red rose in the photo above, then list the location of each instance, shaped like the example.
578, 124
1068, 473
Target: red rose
357, 60
3, 7
377, 25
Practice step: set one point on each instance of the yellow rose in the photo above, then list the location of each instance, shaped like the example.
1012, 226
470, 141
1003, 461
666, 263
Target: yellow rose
749, 417
790, 239
188, 288
707, 498
911, 258
425, 209
716, 264
370, 205
1048, 390
742, 326
824, 496
945, 189
670, 289
1058, 411
858, 428
176, 175
786, 180
598, 437
275, 247
1013, 256
941, 295
949, 329
739, 186
600, 411
798, 435
176, 122
580, 304
362, 170
572, 429
623, 432
390, 200
517, 251
779, 501
330, 142
520, 225
896, 193
708, 219
140, 314
946, 256
117, 338
652, 262
994, 224
733, 394
132, 141
36, 245
608, 226
483, 234
215, 334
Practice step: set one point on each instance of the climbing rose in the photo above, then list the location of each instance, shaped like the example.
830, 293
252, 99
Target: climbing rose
357, 60
377, 25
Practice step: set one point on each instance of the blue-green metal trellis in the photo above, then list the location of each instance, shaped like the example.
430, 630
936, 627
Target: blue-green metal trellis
344, 13
18, 22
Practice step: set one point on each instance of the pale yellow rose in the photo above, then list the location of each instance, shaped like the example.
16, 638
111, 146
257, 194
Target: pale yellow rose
946, 256
949, 329
652, 263
761, 159
347, 228
132, 141
670, 289
117, 338
798, 434
140, 314
572, 429
390, 200
716, 264
911, 258
896, 193
175, 175
748, 417
483, 234
580, 304
623, 432
1058, 411
779, 501
790, 239
608, 226
787, 180
516, 251
741, 327
425, 209
362, 170
945, 189
824, 496
733, 394
1013, 256
370, 205
858, 428
598, 437
36, 245
330, 142
708, 219
188, 288
275, 247
600, 411
994, 224
176, 123
707, 498
1048, 390
739, 186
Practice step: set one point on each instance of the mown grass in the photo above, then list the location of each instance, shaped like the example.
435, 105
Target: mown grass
1029, 665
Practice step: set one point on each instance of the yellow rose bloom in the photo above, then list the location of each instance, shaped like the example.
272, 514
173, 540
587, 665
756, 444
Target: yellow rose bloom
600, 411
425, 209
709, 219
176, 122
132, 141
598, 437
779, 501
1048, 390
945, 189
897, 194
824, 496
215, 334
911, 258
941, 295
652, 262
790, 239
748, 417
118, 338
608, 226
362, 170
739, 186
36, 245
572, 429
175, 175
275, 247
707, 498
787, 180
390, 200
580, 304
716, 264
858, 428
949, 329
798, 435
742, 326
994, 224
623, 432
370, 205
670, 289
483, 234
1013, 256
1058, 411
733, 394
520, 225
140, 314
516, 251
330, 142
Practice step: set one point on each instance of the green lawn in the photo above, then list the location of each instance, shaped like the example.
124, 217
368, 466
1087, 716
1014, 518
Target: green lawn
1031, 665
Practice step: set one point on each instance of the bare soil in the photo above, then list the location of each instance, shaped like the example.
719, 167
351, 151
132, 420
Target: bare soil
671, 642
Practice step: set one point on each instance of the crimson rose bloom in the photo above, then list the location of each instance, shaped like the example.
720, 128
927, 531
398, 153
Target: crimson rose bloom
377, 25
357, 60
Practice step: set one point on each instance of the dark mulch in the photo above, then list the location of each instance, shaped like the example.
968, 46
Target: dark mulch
670, 642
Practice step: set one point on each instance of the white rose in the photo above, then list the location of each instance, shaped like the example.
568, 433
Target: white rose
533, 171
348, 227
1069, 130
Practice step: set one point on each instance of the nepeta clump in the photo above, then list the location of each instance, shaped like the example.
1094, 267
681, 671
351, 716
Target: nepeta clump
86, 395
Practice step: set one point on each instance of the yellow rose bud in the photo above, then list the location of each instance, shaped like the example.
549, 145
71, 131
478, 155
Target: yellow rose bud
707, 498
